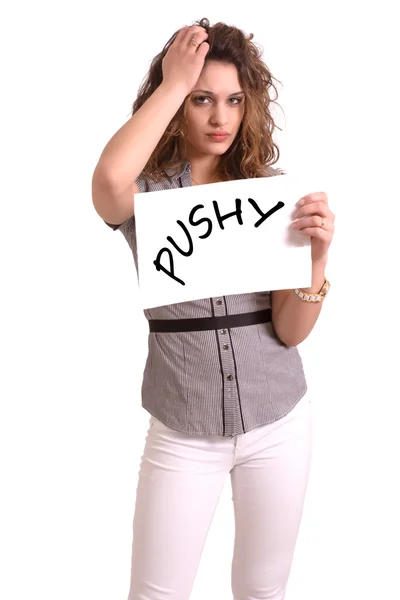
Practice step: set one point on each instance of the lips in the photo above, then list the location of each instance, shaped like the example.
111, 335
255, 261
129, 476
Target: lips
218, 136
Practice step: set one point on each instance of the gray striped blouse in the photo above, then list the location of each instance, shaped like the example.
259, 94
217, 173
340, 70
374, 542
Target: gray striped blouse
215, 382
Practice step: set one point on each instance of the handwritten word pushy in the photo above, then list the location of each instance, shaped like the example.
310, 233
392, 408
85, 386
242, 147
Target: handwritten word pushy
220, 219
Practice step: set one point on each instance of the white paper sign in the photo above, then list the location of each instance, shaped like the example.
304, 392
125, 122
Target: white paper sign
219, 239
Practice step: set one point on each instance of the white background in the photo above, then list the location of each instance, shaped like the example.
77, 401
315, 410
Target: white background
74, 340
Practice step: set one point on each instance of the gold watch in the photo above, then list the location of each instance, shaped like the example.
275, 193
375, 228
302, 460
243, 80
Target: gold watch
314, 297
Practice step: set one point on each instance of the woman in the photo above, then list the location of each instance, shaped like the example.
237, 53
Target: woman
223, 381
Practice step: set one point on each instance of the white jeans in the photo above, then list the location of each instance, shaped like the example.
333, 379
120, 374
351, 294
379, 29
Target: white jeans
180, 481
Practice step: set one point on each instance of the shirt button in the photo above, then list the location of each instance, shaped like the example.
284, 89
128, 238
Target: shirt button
223, 331
219, 302
229, 377
225, 346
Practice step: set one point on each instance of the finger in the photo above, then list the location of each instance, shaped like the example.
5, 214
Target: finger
314, 208
203, 49
196, 42
314, 197
196, 32
180, 36
313, 221
317, 232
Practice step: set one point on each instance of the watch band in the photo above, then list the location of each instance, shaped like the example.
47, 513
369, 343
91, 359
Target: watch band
319, 297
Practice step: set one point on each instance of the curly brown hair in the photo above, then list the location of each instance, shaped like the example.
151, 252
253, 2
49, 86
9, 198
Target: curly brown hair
253, 149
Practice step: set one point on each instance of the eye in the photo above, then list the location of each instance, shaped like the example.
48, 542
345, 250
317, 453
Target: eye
205, 100
198, 99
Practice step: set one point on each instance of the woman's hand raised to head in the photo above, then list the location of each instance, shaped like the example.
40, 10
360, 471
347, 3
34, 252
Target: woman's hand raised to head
185, 59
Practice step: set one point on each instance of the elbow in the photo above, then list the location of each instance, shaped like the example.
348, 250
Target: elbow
290, 343
286, 340
286, 333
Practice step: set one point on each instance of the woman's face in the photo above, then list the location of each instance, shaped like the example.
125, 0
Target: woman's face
216, 105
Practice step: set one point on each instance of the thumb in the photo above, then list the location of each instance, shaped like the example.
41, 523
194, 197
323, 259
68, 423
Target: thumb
203, 49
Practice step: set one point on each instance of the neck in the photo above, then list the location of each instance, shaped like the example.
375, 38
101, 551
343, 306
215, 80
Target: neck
203, 166
203, 172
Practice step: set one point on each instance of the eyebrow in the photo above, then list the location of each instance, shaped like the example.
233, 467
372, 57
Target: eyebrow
212, 93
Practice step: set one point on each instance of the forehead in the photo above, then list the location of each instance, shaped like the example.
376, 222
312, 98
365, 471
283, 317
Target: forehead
219, 78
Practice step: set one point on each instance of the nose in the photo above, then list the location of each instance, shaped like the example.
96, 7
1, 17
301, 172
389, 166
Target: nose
219, 115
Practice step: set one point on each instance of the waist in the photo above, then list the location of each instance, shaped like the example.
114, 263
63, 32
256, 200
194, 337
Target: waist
209, 323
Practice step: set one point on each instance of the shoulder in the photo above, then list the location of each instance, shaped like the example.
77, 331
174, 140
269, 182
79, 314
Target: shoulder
272, 171
146, 183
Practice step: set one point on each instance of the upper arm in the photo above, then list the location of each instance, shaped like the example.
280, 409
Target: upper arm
113, 208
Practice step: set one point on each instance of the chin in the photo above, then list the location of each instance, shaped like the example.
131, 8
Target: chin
217, 149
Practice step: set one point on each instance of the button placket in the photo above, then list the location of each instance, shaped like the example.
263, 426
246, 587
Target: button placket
219, 307
231, 401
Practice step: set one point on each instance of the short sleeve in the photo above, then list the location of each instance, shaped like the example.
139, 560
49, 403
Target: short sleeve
141, 182
272, 172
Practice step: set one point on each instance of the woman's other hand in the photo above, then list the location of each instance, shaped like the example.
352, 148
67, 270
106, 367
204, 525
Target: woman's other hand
316, 220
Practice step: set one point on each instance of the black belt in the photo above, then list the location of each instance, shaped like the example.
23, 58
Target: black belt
204, 323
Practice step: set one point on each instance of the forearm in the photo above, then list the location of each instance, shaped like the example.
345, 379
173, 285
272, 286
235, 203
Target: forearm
296, 317
128, 151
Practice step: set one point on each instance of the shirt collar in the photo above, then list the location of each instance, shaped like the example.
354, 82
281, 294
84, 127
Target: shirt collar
181, 171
